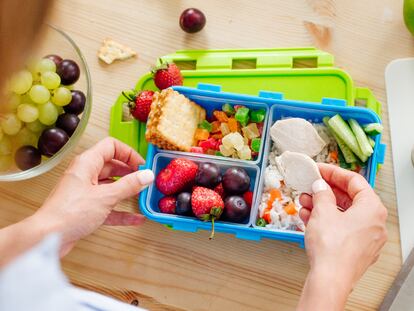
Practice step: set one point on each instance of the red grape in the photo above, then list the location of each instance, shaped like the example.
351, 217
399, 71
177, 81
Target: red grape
77, 104
56, 58
192, 20
68, 71
68, 122
27, 157
52, 140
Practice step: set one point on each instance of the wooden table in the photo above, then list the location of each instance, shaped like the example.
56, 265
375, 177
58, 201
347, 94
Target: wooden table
165, 270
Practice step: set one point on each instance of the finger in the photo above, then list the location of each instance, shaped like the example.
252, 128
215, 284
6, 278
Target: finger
323, 196
350, 182
342, 199
117, 218
93, 159
129, 185
306, 201
114, 168
304, 214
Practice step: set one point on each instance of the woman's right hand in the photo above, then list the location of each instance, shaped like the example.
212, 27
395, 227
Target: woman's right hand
346, 229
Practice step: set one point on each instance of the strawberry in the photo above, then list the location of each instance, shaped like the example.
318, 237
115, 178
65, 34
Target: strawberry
248, 197
167, 205
220, 190
176, 176
166, 75
207, 205
139, 104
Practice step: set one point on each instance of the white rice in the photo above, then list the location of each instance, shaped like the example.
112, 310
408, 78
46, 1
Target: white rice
280, 220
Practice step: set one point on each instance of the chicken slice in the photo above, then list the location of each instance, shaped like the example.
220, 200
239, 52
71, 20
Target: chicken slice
299, 171
297, 135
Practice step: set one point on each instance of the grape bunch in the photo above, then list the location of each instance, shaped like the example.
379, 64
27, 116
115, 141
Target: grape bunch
41, 113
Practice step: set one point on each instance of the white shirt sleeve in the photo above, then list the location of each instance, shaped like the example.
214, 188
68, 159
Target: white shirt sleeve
35, 281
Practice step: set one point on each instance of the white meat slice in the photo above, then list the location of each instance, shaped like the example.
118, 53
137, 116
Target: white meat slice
299, 171
297, 135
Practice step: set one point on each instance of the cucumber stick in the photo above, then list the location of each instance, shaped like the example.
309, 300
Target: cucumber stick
347, 153
371, 142
361, 137
373, 129
343, 131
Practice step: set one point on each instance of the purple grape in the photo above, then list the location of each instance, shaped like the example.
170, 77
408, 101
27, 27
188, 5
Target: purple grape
235, 209
183, 205
77, 104
27, 157
51, 141
68, 122
192, 20
236, 181
68, 71
208, 175
56, 58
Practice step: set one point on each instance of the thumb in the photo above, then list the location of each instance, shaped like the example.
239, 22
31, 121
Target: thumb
323, 195
129, 185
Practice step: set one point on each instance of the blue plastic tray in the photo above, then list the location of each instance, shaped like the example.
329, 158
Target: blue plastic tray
280, 108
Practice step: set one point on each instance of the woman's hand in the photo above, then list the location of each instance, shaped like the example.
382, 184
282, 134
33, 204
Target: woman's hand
344, 235
86, 195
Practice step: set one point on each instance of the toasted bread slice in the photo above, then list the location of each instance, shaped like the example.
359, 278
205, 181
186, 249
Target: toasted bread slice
173, 121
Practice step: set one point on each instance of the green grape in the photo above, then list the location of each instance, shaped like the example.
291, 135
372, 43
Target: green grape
25, 138
48, 113
27, 112
44, 65
35, 126
10, 124
5, 146
21, 82
60, 109
62, 96
50, 80
1, 134
6, 162
39, 94
13, 102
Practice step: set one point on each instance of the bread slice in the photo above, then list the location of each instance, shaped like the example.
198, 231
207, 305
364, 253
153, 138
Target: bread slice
173, 120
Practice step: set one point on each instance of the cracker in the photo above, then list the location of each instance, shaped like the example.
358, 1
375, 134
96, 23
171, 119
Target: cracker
112, 50
173, 121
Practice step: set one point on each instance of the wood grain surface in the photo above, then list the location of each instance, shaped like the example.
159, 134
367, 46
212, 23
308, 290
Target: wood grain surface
164, 270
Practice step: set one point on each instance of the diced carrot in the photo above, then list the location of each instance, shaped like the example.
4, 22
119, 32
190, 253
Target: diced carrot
269, 204
201, 134
233, 125
275, 194
221, 116
290, 209
217, 135
266, 216
216, 126
334, 155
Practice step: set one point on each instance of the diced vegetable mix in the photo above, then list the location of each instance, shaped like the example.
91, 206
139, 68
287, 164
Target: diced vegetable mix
235, 131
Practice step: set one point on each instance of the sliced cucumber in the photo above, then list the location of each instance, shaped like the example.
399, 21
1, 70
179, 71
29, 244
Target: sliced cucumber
361, 137
371, 142
346, 152
342, 161
342, 129
373, 129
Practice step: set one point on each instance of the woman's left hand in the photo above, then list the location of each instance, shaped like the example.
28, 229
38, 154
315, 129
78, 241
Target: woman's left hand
86, 195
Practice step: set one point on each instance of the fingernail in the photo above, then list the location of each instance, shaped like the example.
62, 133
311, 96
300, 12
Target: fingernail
319, 185
145, 177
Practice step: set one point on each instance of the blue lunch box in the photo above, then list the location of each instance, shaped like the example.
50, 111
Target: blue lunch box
210, 97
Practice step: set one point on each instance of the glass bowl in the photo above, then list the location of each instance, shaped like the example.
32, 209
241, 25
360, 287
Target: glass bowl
55, 41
